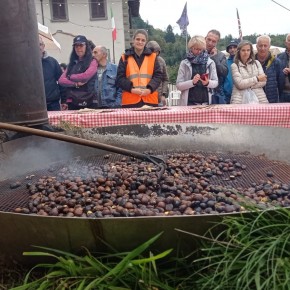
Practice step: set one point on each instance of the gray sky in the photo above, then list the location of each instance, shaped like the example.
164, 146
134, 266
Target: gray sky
256, 16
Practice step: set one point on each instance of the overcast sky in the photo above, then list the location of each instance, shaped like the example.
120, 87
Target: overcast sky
256, 16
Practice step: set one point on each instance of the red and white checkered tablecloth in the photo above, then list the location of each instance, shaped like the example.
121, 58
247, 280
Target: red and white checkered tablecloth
277, 115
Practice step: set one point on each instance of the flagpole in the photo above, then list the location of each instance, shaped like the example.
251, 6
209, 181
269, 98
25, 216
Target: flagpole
183, 23
114, 33
186, 49
113, 50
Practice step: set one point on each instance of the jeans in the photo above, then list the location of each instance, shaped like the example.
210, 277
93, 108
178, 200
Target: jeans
218, 99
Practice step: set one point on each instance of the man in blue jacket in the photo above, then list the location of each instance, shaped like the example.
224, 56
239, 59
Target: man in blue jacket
228, 84
108, 94
272, 68
285, 65
51, 73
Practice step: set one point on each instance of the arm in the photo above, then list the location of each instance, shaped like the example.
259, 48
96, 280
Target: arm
118, 97
65, 82
213, 79
260, 73
221, 64
240, 82
122, 81
279, 75
182, 81
87, 75
156, 78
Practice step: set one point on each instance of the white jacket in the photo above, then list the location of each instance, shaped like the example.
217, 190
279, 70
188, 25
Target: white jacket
184, 79
245, 77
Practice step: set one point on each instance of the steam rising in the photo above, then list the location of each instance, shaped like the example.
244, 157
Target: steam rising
38, 153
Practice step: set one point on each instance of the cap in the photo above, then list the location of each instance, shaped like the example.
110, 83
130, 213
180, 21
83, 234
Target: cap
153, 45
232, 43
80, 39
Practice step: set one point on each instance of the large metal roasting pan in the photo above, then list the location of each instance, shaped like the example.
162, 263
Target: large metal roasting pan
19, 232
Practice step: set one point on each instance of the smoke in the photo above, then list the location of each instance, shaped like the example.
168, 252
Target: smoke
34, 155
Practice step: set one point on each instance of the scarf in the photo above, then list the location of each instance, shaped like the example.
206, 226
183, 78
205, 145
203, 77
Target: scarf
202, 58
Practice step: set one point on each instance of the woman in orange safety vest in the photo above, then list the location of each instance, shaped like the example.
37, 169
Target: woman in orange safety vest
139, 74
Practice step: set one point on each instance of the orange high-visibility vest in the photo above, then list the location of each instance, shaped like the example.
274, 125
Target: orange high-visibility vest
140, 77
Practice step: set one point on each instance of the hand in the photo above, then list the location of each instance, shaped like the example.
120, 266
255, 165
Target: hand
141, 92
195, 79
163, 101
213, 51
286, 71
205, 81
262, 78
64, 107
79, 84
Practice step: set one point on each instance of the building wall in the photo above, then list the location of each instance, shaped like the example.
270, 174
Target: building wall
99, 31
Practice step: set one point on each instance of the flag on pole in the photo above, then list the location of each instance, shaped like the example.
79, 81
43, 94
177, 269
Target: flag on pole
183, 20
114, 30
239, 25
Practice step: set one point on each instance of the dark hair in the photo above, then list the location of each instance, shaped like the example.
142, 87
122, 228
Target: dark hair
86, 61
141, 31
63, 65
91, 44
216, 32
238, 54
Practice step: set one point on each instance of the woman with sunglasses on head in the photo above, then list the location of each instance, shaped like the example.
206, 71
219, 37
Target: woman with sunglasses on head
80, 75
197, 74
139, 73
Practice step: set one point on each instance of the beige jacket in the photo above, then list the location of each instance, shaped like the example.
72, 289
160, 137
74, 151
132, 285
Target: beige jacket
245, 77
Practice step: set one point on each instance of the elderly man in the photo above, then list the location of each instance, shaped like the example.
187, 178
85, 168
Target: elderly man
272, 68
108, 94
51, 73
285, 65
212, 39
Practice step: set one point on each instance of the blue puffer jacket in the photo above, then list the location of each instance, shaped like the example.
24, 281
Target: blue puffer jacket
275, 79
228, 84
111, 94
284, 58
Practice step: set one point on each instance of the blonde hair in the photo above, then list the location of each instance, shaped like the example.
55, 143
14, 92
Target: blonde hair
197, 40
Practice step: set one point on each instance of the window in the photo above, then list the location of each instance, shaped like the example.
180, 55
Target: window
58, 10
98, 9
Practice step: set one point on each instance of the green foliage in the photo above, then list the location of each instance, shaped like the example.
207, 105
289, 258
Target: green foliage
169, 36
252, 252
117, 271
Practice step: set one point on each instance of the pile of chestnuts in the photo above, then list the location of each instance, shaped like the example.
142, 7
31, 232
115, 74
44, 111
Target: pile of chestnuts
131, 188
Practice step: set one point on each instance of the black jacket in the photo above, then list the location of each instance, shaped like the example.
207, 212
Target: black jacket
51, 73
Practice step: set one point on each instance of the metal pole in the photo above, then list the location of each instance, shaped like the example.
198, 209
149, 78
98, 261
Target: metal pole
42, 15
113, 50
186, 48
22, 98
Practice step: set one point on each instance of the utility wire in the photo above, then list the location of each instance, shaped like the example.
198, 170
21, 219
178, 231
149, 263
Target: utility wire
281, 5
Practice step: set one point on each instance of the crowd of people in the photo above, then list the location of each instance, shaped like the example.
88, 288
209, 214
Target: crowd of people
205, 75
